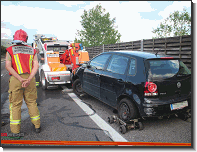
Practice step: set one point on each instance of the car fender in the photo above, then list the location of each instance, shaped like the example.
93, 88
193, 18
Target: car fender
126, 96
133, 97
78, 74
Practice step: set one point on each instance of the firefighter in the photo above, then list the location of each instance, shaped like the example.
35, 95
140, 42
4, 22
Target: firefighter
22, 65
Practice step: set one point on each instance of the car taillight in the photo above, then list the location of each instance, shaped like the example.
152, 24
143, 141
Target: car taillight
53, 78
150, 89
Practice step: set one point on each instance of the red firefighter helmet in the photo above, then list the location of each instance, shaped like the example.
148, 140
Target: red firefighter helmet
20, 35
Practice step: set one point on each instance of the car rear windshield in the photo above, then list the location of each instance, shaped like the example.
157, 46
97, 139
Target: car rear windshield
166, 68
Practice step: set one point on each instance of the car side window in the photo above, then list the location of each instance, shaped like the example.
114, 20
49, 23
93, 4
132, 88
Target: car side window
99, 62
118, 64
132, 67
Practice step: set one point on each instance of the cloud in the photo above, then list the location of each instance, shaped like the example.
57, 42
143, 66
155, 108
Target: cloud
64, 24
130, 24
61, 23
70, 3
135, 6
176, 6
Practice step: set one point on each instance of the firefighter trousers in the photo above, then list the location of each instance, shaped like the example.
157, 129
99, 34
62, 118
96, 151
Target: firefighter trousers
16, 96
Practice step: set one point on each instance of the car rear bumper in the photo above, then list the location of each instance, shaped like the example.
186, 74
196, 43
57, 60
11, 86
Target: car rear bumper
64, 77
158, 108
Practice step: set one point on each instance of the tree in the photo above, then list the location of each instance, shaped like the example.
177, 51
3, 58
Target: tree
177, 24
97, 28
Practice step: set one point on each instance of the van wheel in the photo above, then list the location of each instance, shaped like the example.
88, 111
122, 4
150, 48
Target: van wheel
44, 82
127, 110
77, 87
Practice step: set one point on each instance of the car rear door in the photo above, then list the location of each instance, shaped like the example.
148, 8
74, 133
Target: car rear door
91, 75
113, 79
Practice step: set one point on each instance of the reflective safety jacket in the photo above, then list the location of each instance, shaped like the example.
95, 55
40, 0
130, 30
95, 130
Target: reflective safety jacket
22, 58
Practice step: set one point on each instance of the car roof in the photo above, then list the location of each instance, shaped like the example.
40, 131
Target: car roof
140, 54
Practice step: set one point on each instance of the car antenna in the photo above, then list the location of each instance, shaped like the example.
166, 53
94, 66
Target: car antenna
157, 52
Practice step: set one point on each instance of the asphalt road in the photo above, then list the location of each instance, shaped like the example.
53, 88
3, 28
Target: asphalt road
66, 117
4, 83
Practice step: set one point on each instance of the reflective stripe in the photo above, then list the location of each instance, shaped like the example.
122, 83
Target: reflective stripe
11, 118
30, 62
35, 118
15, 122
71, 51
18, 64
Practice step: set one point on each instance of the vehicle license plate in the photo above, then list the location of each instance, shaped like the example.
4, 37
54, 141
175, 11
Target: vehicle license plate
179, 105
52, 55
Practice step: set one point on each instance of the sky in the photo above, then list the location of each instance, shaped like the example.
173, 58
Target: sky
135, 20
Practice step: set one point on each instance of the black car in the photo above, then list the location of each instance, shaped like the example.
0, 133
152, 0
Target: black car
137, 84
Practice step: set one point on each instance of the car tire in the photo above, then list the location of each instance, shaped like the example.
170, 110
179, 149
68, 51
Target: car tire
127, 110
77, 88
44, 82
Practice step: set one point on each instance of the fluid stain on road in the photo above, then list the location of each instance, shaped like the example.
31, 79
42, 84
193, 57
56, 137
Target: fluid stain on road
61, 119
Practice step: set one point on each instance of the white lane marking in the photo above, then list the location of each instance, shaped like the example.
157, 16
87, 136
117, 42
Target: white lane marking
98, 120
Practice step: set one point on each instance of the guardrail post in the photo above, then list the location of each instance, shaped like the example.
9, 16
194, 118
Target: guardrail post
142, 49
165, 47
180, 48
118, 46
153, 44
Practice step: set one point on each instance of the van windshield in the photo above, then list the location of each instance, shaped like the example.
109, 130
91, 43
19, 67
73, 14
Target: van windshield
57, 48
166, 68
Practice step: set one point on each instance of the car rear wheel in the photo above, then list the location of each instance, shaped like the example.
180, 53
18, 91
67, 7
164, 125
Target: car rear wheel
44, 82
77, 88
127, 110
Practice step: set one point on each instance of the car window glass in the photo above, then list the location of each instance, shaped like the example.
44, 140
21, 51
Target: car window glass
99, 62
183, 69
163, 68
166, 68
132, 68
118, 64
